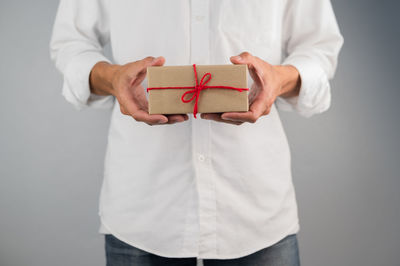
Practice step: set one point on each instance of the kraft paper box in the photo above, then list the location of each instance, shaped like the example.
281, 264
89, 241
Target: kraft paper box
225, 89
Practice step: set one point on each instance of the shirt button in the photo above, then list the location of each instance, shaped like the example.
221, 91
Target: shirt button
199, 18
201, 157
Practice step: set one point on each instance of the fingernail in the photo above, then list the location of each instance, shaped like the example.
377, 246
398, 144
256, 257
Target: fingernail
238, 57
155, 59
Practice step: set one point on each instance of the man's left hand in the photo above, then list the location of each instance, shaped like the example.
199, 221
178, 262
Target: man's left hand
269, 83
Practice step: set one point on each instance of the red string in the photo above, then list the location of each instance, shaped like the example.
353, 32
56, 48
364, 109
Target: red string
195, 90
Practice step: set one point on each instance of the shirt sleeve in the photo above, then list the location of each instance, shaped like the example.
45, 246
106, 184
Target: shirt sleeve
81, 30
312, 42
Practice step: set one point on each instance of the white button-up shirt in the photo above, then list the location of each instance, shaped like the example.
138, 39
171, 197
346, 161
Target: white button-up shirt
198, 188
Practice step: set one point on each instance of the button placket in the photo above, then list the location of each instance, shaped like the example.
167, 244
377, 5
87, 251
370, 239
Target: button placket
199, 31
201, 137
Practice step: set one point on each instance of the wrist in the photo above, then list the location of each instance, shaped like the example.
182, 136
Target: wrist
101, 78
290, 80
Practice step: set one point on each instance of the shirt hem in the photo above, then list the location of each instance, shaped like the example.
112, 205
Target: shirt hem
117, 235
294, 229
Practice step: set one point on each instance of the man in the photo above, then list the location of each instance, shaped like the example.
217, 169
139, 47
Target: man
217, 188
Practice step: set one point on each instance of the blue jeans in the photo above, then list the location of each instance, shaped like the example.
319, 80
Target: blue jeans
283, 253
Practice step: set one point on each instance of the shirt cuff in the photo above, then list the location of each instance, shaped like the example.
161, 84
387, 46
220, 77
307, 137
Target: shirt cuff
76, 87
315, 92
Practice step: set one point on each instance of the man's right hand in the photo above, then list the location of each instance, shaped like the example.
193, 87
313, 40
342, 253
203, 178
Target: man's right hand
124, 82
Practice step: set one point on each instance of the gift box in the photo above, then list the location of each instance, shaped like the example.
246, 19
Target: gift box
197, 89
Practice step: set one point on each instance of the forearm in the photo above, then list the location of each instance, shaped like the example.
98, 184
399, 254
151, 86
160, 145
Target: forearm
290, 80
101, 78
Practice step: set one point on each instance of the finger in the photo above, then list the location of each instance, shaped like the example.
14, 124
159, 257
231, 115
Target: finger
240, 117
259, 105
251, 116
177, 118
218, 118
142, 116
253, 93
255, 111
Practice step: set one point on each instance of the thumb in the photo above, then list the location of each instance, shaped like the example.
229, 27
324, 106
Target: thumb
251, 61
158, 61
244, 58
138, 69
143, 64
151, 61
140, 66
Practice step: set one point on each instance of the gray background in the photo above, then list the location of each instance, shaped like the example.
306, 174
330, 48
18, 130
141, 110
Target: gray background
345, 162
